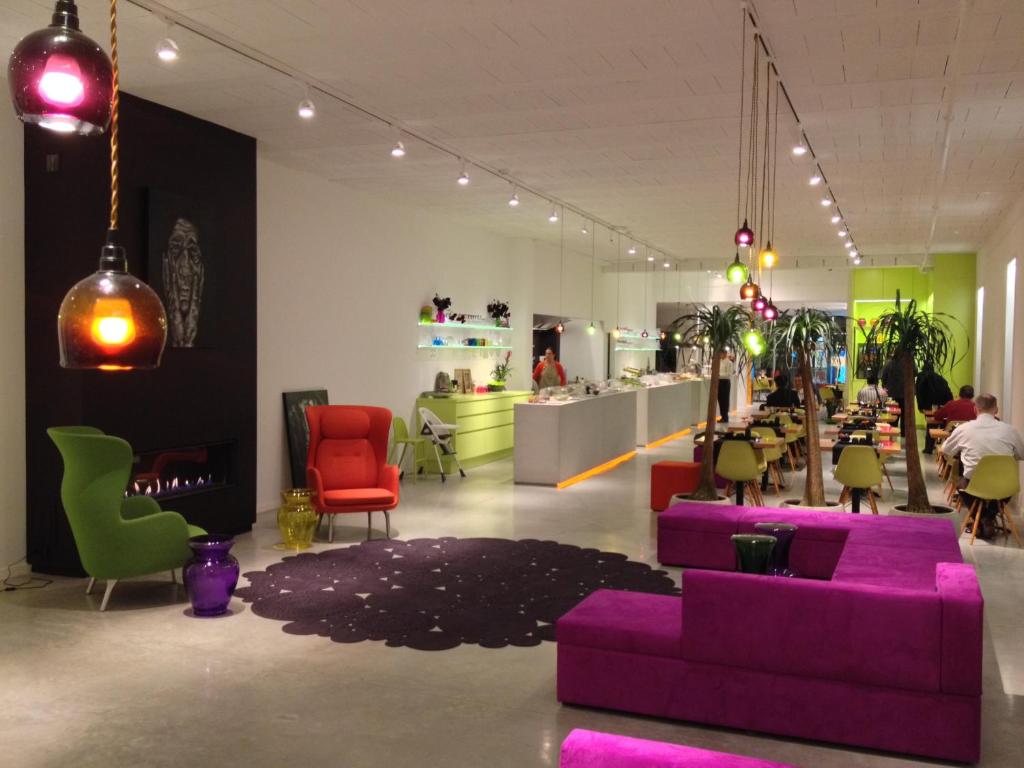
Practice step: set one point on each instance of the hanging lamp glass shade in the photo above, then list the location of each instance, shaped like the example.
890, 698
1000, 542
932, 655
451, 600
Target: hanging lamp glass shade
644, 335
744, 235
749, 290
770, 312
111, 321
754, 341
737, 271
60, 79
677, 336
769, 258
591, 330
758, 304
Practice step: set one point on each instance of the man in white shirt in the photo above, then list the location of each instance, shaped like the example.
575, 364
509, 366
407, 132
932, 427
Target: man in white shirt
985, 436
725, 374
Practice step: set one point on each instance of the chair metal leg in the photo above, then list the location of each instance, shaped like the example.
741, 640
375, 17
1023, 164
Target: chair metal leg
1008, 516
369, 520
886, 473
106, 593
330, 529
440, 466
88, 589
871, 501
387, 523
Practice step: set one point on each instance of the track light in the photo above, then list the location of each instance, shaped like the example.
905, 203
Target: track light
836, 219
800, 148
854, 253
307, 109
842, 233
650, 257
398, 150
857, 261
632, 250
584, 229
463, 179
167, 50
815, 180
513, 201
666, 265
826, 201
553, 218
848, 244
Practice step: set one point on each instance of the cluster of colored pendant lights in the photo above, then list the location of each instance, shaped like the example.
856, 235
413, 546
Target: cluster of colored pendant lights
751, 201
63, 81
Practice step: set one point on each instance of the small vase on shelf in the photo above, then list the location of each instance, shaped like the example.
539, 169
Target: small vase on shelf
439, 318
211, 575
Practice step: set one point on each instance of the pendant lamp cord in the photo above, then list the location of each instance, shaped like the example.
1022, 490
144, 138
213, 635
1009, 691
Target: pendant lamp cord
743, 85
115, 103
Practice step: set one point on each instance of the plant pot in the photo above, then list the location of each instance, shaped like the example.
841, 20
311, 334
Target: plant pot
211, 575
496, 386
940, 511
678, 498
830, 506
297, 519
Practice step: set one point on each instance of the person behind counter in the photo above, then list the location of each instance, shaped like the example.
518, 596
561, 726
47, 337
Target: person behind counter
549, 372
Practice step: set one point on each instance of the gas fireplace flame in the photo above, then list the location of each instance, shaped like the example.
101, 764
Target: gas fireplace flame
167, 487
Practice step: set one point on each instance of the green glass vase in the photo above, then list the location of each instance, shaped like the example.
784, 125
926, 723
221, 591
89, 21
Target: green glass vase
297, 518
753, 552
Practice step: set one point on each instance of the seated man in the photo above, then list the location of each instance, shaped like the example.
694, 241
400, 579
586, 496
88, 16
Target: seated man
784, 396
961, 409
872, 393
984, 436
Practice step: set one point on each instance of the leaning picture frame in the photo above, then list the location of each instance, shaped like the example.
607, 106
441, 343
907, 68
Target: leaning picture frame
297, 429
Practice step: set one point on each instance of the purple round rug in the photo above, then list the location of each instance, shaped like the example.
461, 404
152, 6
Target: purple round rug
435, 594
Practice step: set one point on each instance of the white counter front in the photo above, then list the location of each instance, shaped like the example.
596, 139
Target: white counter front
669, 408
556, 441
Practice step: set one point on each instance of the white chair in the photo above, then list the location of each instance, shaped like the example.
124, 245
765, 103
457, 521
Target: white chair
440, 436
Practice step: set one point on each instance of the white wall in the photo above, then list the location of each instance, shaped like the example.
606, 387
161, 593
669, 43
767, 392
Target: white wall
341, 278
12, 339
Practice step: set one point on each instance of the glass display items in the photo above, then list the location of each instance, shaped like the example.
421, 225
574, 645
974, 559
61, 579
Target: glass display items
778, 563
297, 519
753, 552
211, 575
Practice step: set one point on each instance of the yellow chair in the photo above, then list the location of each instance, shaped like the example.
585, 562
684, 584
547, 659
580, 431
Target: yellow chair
772, 456
858, 470
738, 463
995, 479
792, 439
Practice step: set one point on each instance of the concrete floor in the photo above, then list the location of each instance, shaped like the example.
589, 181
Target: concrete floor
144, 684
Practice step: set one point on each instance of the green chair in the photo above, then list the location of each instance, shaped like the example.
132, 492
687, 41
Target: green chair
116, 537
738, 463
400, 437
793, 439
772, 456
858, 470
995, 479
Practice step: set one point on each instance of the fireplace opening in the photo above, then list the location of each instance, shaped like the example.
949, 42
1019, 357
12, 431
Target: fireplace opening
181, 471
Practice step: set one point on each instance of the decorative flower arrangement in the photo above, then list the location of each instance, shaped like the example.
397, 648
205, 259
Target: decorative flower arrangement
442, 305
498, 310
500, 374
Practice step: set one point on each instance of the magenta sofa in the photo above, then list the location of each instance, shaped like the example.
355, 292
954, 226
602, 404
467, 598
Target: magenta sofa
590, 749
879, 648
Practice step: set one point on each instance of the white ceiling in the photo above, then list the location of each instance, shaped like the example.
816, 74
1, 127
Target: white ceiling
626, 109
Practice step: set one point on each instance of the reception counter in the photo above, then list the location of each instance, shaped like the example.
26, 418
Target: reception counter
667, 409
558, 441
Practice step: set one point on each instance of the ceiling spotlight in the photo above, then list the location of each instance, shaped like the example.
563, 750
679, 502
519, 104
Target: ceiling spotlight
167, 50
650, 257
848, 244
842, 233
514, 200
398, 150
307, 109
836, 219
857, 261
800, 148
463, 176
666, 265
553, 218
815, 180
854, 253
826, 201
632, 250
584, 229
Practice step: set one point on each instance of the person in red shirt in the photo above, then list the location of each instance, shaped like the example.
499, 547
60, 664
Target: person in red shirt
961, 409
549, 372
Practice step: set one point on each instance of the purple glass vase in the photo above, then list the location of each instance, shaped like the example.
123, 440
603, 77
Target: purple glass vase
211, 575
778, 564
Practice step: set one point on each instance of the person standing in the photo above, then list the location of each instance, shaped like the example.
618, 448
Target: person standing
726, 370
932, 391
984, 436
549, 372
892, 380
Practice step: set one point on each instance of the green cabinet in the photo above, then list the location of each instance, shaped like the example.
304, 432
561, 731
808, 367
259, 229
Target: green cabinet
485, 429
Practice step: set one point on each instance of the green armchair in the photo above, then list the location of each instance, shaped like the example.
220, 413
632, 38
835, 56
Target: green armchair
116, 537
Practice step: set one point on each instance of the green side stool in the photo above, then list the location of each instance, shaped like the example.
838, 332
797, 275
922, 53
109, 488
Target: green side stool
401, 437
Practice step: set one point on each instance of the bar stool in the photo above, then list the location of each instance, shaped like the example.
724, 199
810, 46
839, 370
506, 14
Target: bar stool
737, 463
858, 470
994, 479
773, 456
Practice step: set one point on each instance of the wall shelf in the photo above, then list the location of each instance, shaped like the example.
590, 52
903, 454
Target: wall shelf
466, 326
483, 348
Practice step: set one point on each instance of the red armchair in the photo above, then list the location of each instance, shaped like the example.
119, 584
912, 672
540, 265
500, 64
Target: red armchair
345, 466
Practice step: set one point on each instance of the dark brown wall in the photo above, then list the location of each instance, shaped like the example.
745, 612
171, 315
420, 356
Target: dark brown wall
197, 395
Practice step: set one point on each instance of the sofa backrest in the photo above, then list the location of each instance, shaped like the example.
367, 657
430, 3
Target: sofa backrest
962, 627
876, 636
592, 749
348, 444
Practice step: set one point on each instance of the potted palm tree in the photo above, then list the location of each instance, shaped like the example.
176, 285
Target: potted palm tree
909, 335
717, 331
804, 332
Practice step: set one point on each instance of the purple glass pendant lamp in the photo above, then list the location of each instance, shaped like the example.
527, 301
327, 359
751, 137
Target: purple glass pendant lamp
60, 79
211, 575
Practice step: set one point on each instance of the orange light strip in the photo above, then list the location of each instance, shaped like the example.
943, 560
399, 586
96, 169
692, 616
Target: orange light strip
596, 470
669, 438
